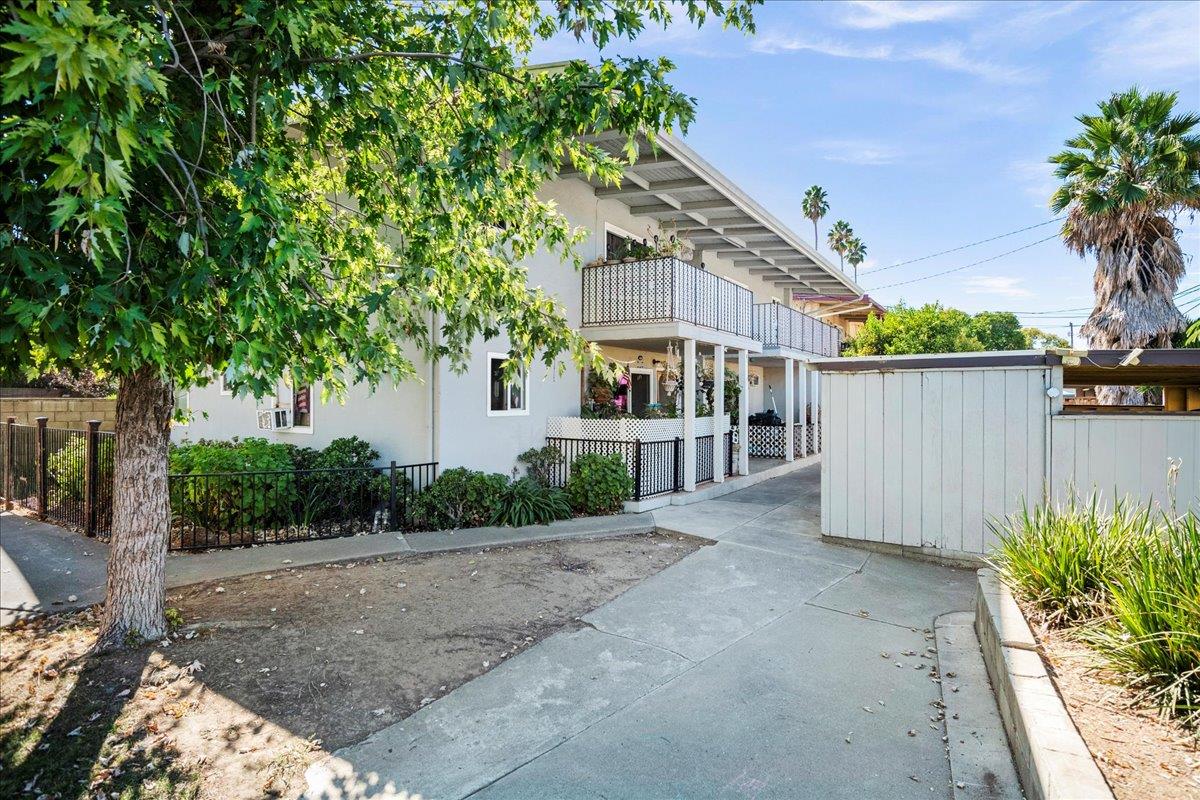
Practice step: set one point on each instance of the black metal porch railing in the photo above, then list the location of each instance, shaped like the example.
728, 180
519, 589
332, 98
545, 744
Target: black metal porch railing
664, 289
66, 477
655, 466
770, 441
777, 325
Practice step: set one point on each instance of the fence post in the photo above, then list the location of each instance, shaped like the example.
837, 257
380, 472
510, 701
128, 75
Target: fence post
91, 477
637, 469
9, 441
392, 499
676, 466
39, 460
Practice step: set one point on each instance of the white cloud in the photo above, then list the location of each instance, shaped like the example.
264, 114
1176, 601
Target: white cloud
1036, 179
858, 151
999, 285
876, 15
1157, 41
951, 56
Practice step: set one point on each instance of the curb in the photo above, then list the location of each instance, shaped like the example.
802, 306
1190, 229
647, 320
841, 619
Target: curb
1051, 756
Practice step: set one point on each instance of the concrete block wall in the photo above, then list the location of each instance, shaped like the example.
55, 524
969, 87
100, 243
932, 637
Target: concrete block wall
71, 413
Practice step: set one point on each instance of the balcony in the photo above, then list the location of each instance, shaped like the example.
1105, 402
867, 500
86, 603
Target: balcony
777, 326
665, 289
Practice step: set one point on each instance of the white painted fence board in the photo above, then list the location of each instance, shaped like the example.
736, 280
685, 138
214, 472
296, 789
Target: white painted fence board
910, 461
931, 459
952, 461
1127, 456
892, 457
972, 447
873, 474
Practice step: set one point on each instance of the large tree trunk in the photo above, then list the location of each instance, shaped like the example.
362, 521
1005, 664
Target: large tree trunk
1137, 274
136, 591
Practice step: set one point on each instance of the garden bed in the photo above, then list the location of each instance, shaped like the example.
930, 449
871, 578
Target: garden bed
1141, 755
271, 670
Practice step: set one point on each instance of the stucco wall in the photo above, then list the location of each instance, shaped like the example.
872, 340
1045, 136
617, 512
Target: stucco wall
71, 413
395, 419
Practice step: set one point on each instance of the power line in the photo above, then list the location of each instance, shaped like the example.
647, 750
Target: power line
964, 247
964, 266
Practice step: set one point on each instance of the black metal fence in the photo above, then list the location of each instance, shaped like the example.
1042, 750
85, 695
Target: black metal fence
777, 325
232, 509
655, 466
66, 477
770, 441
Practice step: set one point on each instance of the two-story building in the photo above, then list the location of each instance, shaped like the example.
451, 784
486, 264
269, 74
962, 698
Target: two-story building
665, 314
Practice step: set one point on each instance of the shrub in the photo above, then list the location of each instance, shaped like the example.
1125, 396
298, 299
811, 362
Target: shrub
1153, 633
1063, 559
540, 463
599, 484
459, 498
224, 501
527, 502
68, 469
356, 489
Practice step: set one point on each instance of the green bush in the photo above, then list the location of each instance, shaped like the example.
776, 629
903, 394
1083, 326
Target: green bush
1153, 632
527, 502
599, 484
68, 468
540, 463
1063, 559
324, 495
225, 500
459, 498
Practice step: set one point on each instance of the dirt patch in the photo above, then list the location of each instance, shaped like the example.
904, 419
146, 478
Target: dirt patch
1141, 755
270, 670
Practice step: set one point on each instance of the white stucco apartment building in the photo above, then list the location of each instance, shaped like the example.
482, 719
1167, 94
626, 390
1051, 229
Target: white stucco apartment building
734, 299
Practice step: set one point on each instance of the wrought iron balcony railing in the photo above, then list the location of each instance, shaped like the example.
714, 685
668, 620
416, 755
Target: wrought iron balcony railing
777, 325
664, 289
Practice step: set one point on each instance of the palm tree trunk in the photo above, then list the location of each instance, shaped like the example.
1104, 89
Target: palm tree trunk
1135, 283
136, 587
816, 238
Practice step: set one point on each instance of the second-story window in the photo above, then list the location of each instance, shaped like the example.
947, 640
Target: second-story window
616, 245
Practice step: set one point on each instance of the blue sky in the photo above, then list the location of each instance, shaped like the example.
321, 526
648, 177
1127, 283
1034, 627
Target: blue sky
929, 125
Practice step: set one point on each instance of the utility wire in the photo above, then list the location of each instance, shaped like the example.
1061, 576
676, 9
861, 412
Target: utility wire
964, 266
963, 247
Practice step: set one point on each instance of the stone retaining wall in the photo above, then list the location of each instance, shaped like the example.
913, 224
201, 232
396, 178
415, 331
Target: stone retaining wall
64, 412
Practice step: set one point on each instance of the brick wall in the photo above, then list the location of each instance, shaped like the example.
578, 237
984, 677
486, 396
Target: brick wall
64, 412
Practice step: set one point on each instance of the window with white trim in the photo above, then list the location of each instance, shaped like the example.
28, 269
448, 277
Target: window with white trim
299, 399
505, 397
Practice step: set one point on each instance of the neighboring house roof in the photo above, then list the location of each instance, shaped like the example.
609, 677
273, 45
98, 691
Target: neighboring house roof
853, 306
670, 181
1156, 367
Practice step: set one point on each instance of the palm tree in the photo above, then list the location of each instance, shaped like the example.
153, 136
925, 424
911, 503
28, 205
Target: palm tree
856, 253
815, 206
839, 236
1126, 177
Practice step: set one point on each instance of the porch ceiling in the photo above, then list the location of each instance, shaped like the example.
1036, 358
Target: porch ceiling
672, 183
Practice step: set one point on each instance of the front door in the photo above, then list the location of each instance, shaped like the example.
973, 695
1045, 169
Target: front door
639, 391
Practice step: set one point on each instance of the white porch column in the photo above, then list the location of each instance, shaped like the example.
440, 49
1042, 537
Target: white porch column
719, 426
802, 390
789, 414
744, 412
689, 415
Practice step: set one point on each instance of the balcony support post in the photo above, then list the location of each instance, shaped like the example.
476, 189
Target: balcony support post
804, 391
789, 412
744, 412
719, 424
689, 415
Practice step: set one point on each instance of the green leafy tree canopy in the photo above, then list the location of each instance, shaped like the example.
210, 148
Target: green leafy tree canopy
933, 328
193, 187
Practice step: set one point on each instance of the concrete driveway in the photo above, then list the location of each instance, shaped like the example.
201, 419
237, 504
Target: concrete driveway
769, 665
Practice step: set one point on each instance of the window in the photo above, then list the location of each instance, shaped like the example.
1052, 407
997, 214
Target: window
299, 398
506, 398
225, 386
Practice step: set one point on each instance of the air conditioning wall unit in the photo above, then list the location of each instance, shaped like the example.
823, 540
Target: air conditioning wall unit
274, 419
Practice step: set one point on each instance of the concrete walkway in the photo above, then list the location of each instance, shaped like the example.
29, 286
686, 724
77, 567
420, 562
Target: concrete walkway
770, 665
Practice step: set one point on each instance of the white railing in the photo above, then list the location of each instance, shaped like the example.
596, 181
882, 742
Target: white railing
664, 289
777, 325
